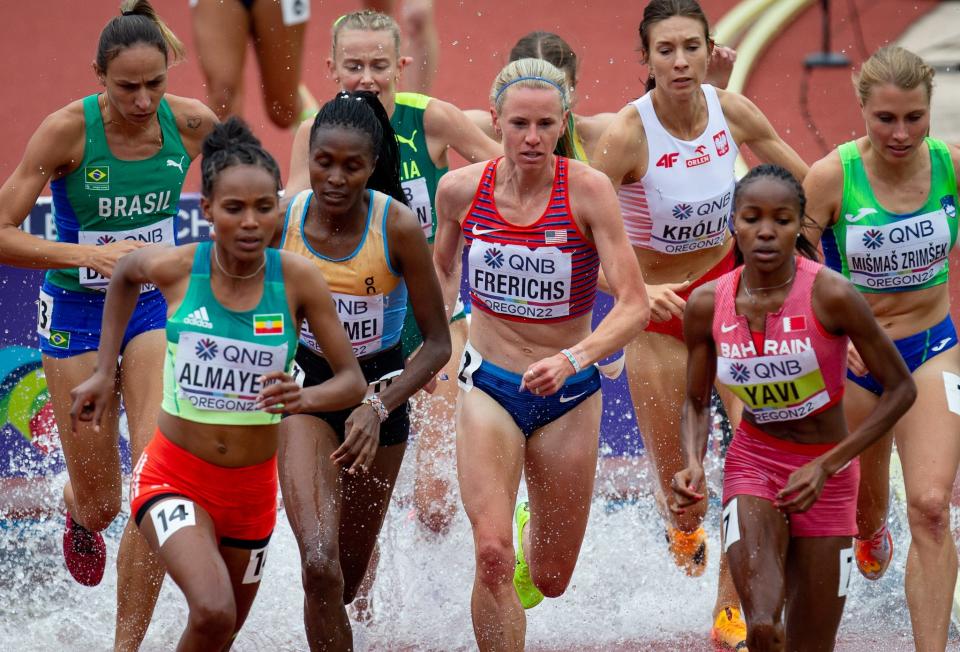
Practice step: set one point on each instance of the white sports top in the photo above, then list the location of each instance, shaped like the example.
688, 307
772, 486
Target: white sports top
683, 202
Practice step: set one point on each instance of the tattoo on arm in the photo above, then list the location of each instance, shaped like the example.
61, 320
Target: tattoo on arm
194, 122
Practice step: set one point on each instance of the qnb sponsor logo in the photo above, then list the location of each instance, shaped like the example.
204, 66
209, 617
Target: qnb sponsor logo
199, 318
493, 258
682, 211
206, 349
105, 240
873, 239
739, 372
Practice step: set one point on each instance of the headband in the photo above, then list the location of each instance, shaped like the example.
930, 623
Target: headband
563, 97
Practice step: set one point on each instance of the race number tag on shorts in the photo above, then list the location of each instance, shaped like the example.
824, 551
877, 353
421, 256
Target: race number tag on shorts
381, 383
730, 524
295, 11
298, 374
258, 561
221, 373
159, 233
418, 198
846, 571
44, 314
170, 515
951, 385
469, 362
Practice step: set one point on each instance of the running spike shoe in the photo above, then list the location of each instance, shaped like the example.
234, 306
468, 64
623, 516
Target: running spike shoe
530, 596
689, 550
874, 554
729, 631
84, 552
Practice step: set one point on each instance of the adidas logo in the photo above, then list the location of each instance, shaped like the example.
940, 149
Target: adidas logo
199, 318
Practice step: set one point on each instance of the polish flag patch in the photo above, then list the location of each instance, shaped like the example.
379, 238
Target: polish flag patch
794, 324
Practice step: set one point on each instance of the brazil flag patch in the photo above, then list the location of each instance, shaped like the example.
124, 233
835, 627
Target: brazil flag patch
59, 339
96, 177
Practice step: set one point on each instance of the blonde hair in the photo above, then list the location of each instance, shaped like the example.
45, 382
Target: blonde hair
528, 73
893, 64
365, 21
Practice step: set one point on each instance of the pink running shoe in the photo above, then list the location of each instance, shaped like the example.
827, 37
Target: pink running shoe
84, 552
874, 554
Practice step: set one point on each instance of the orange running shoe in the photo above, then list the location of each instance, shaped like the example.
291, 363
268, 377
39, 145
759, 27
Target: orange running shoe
729, 631
874, 554
689, 550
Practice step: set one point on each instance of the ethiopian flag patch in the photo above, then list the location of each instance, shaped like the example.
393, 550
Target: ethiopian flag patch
271, 324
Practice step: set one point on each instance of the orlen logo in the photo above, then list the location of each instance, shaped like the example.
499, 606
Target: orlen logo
701, 157
873, 239
667, 160
682, 211
720, 142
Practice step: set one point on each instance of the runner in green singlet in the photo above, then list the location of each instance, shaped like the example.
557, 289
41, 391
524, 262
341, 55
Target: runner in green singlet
886, 207
366, 56
115, 162
204, 492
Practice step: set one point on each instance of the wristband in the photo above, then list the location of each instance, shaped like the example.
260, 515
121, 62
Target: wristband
573, 360
378, 407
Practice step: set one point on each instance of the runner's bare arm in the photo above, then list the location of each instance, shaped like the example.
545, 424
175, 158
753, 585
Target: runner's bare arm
195, 120
621, 152
695, 413
299, 177
454, 194
823, 188
751, 128
450, 127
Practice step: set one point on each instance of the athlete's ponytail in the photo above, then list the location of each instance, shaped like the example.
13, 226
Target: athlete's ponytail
769, 171
232, 143
138, 22
363, 112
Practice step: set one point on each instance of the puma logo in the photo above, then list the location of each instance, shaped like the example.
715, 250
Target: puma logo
408, 141
176, 164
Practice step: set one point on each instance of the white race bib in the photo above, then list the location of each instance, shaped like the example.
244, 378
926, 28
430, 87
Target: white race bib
681, 226
362, 319
158, 233
221, 373
517, 281
418, 198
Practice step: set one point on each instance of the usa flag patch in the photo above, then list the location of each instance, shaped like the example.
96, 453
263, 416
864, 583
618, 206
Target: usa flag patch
555, 236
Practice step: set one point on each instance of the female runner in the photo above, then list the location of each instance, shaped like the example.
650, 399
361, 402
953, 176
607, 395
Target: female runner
204, 492
353, 227
886, 204
116, 162
537, 227
775, 332
671, 154
366, 57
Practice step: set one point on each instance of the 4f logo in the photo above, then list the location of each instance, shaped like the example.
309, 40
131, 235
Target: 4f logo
667, 160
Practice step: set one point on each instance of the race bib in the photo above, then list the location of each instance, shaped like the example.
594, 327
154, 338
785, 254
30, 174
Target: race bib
221, 373
904, 254
362, 319
295, 11
158, 233
516, 281
418, 198
683, 226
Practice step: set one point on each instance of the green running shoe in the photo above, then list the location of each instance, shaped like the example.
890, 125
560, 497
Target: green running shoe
530, 596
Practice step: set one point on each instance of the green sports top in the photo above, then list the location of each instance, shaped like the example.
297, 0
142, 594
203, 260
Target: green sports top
880, 251
215, 356
419, 175
108, 199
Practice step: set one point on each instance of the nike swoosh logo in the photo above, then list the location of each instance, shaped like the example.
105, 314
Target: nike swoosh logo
481, 231
862, 213
942, 343
567, 399
726, 329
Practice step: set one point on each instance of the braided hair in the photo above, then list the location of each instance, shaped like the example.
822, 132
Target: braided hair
769, 171
232, 143
363, 112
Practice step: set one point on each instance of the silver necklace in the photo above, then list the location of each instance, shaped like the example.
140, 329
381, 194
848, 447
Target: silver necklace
750, 293
243, 277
